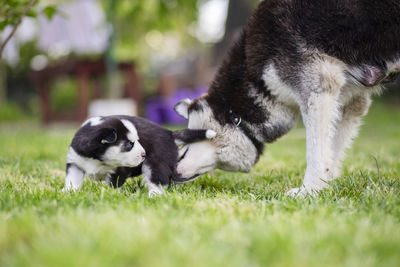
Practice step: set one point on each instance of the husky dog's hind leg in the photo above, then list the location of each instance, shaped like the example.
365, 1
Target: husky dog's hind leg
347, 128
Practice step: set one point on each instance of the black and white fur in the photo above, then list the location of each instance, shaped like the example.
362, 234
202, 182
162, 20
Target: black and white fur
114, 148
321, 60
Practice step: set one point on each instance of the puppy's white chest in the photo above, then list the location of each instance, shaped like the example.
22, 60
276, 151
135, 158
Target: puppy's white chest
93, 168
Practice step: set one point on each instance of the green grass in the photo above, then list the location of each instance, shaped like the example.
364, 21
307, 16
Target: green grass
222, 219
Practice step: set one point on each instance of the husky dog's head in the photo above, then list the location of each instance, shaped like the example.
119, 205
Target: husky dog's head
231, 149
105, 143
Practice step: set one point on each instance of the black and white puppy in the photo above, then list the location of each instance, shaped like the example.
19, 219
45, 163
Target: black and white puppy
114, 148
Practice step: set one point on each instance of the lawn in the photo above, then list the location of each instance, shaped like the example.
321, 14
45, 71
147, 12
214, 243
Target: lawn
221, 219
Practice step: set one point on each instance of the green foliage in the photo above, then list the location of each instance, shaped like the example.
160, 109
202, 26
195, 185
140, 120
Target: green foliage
138, 17
10, 112
221, 219
133, 19
63, 95
49, 11
11, 11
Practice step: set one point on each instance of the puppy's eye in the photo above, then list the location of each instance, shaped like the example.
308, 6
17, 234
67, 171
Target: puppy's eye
129, 145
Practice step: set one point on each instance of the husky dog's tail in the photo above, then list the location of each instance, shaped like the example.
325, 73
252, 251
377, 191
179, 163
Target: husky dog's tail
190, 135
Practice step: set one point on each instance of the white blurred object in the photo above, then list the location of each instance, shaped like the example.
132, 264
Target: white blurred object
79, 26
39, 62
112, 107
211, 24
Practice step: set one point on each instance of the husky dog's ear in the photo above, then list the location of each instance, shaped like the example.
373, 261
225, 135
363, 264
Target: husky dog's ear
182, 107
108, 136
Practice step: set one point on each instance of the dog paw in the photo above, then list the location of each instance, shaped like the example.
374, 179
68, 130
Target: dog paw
301, 192
65, 190
69, 189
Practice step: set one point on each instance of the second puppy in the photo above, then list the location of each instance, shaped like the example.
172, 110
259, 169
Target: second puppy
114, 148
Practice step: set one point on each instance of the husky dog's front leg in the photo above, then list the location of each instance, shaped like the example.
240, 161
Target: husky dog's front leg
319, 110
319, 119
74, 178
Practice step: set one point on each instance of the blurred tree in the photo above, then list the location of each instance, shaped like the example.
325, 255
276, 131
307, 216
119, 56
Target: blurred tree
133, 20
11, 14
148, 31
13, 11
238, 13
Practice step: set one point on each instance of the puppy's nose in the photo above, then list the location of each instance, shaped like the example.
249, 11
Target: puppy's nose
143, 154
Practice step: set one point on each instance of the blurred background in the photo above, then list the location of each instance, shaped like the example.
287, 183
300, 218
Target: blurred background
67, 60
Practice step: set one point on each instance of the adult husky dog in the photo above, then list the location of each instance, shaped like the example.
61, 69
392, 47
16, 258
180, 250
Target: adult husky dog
321, 59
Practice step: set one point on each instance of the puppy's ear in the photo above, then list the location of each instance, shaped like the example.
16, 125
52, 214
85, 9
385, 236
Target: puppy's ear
108, 136
182, 107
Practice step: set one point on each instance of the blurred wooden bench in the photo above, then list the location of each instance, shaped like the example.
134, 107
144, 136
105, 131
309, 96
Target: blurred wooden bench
87, 74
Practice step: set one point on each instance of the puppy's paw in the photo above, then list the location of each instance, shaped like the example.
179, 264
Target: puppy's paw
210, 134
155, 191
